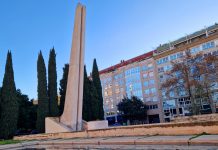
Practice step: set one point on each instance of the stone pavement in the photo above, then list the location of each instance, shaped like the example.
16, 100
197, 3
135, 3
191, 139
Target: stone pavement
135, 142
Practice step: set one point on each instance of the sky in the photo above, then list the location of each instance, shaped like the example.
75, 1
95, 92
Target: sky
115, 30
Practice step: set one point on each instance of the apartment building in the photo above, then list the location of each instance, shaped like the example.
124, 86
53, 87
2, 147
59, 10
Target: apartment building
143, 75
134, 77
204, 41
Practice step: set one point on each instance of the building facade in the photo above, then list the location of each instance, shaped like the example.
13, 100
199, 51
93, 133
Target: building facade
143, 75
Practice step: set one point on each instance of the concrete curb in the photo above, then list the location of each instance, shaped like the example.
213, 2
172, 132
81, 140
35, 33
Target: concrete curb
201, 140
140, 141
187, 143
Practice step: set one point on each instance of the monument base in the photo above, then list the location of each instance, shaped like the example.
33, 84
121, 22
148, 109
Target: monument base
95, 125
53, 125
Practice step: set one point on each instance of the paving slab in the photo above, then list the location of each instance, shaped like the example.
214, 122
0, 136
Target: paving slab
10, 146
119, 141
29, 143
87, 141
205, 140
163, 140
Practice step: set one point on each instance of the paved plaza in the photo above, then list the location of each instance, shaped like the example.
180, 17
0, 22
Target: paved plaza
136, 142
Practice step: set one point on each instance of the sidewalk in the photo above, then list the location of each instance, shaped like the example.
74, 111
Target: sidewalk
178, 142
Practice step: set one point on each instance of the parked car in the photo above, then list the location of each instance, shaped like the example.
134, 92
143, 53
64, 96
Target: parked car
21, 132
206, 109
34, 132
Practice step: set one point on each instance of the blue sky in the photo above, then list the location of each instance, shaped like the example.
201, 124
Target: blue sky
115, 30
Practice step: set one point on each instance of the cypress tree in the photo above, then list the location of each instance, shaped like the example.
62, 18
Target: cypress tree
43, 100
86, 113
97, 84
94, 102
9, 102
52, 84
63, 87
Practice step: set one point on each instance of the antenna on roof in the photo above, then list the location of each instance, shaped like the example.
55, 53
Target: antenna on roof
206, 31
186, 35
171, 47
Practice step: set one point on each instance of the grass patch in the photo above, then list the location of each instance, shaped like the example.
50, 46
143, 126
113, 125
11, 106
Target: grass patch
198, 135
4, 142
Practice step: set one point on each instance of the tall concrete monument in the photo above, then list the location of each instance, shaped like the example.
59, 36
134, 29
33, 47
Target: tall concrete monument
72, 115
71, 119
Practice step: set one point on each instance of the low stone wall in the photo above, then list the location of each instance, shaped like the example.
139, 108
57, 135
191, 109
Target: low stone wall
190, 128
196, 118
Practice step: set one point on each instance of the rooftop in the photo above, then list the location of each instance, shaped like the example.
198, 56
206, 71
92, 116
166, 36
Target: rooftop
124, 63
205, 31
164, 47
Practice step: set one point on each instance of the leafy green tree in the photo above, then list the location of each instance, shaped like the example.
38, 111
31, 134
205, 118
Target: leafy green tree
43, 100
27, 112
132, 109
63, 87
52, 84
97, 83
9, 103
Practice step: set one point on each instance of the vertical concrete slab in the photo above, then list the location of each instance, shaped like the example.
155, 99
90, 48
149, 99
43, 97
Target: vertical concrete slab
72, 115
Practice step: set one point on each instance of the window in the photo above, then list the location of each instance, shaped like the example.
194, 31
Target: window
161, 69
173, 57
138, 93
147, 91
144, 68
152, 106
215, 97
155, 99
151, 82
182, 92
161, 78
151, 74
169, 104
155, 106
180, 111
171, 93
162, 60
118, 76
150, 66
179, 55
153, 90
146, 83
167, 68
208, 45
132, 71
145, 75
163, 92
195, 50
